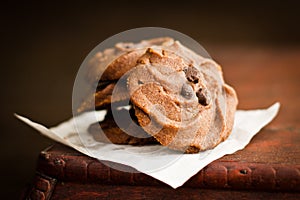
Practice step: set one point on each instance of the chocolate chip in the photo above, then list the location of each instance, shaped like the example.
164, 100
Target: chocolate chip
186, 91
192, 74
203, 97
140, 82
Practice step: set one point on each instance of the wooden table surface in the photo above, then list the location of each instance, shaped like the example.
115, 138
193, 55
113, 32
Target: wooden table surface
269, 167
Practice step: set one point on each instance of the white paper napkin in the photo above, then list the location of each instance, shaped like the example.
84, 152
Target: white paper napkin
159, 162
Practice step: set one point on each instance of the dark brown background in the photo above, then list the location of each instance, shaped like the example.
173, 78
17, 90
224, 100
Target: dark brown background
43, 45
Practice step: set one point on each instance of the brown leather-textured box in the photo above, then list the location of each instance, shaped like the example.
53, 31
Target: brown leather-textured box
269, 167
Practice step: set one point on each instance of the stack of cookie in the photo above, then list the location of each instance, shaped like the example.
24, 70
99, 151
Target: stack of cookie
159, 91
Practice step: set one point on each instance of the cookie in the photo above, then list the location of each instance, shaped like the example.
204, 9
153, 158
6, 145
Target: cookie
107, 67
182, 102
112, 63
108, 131
179, 98
102, 97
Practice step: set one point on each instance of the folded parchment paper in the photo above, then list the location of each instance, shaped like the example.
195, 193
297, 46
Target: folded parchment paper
170, 167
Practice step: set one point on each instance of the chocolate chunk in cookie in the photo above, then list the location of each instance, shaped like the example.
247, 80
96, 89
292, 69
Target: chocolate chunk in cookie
187, 91
192, 74
203, 96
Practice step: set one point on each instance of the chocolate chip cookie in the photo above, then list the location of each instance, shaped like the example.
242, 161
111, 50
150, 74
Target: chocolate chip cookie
178, 98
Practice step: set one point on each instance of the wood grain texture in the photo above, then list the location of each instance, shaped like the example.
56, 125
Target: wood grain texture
93, 191
269, 167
